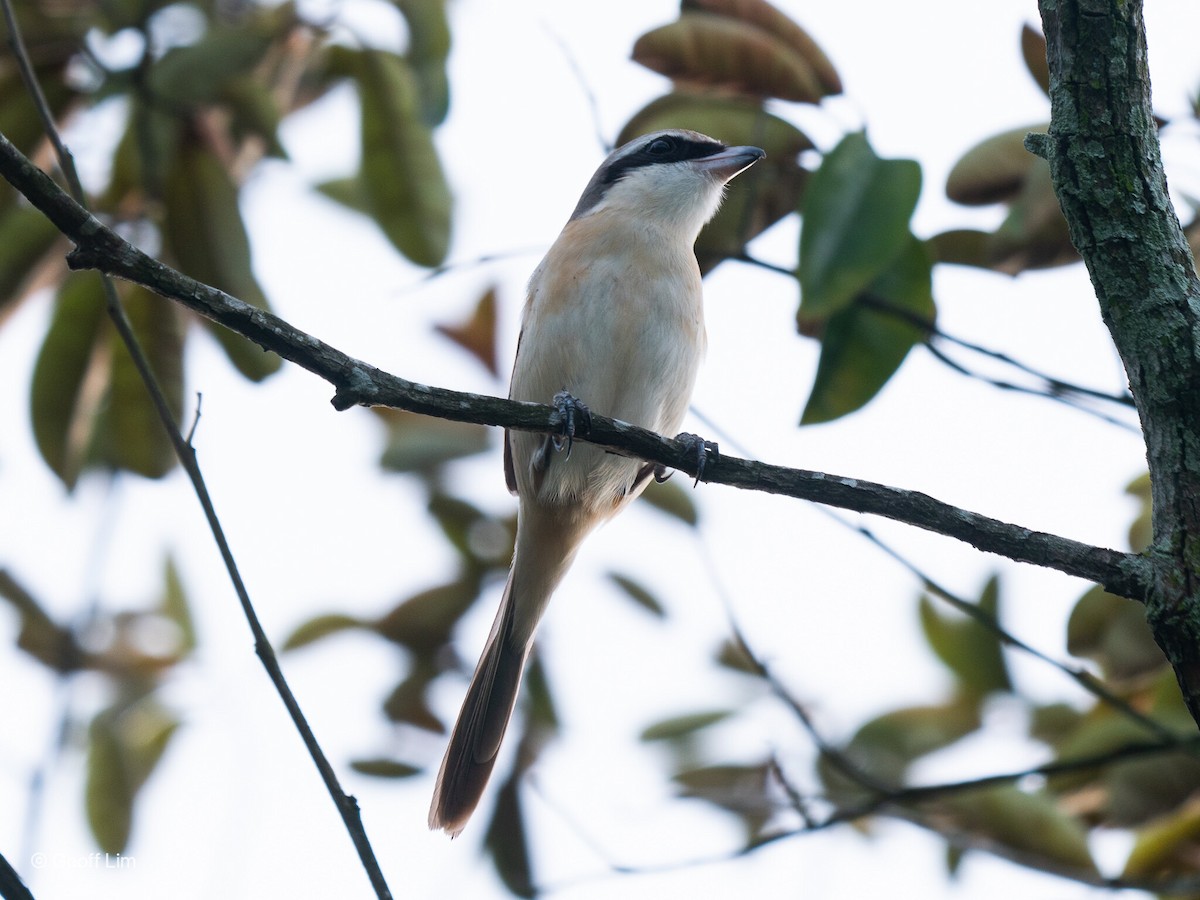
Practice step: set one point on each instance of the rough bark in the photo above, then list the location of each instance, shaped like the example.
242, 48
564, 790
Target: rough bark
1104, 158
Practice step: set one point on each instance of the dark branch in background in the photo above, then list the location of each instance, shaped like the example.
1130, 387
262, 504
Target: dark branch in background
918, 804
1050, 388
347, 805
902, 802
357, 383
11, 885
1081, 677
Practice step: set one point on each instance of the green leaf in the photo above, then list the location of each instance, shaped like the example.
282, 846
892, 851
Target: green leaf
638, 594
320, 627
255, 111
738, 789
409, 702
856, 212
424, 621
198, 72
507, 841
349, 192
540, 709
732, 655
962, 247
968, 648
70, 377
174, 606
25, 236
204, 230
419, 443
1167, 847
1034, 234
674, 499
428, 49
683, 726
1029, 823
144, 155
382, 767
131, 436
456, 518
1112, 631
864, 343
19, 119
125, 744
1141, 531
108, 793
40, 636
887, 745
1053, 722
405, 186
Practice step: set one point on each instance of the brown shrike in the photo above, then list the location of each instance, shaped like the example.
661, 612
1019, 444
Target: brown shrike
614, 316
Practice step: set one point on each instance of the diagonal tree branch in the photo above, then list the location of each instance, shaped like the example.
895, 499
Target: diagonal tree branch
358, 383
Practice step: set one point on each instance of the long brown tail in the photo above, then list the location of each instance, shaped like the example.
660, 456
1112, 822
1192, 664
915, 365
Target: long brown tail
547, 538
486, 710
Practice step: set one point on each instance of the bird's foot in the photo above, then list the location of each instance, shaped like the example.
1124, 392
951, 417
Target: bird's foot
701, 451
571, 418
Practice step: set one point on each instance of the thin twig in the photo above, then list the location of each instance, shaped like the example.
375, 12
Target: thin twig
347, 805
898, 804
11, 885
1082, 677
1053, 388
1057, 394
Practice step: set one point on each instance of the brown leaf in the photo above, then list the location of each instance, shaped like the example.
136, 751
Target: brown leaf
993, 170
1033, 49
477, 333
714, 51
773, 21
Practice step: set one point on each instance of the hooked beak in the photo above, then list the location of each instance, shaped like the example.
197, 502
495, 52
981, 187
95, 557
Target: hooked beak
730, 161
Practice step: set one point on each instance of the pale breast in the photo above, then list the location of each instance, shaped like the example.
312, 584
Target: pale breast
621, 329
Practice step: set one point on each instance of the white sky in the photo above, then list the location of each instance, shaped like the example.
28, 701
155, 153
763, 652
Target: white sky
237, 806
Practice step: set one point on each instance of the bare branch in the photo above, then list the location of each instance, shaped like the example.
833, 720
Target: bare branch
357, 383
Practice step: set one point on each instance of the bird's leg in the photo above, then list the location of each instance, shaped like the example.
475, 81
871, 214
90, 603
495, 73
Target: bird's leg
699, 448
572, 418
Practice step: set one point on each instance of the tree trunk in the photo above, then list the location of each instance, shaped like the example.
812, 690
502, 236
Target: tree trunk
1104, 158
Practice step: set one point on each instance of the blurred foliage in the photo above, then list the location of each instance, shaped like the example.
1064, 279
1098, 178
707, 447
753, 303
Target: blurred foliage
203, 101
1045, 822
134, 652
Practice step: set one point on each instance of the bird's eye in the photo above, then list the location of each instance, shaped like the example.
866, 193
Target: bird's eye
660, 147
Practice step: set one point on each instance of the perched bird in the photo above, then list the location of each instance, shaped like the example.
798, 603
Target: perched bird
613, 319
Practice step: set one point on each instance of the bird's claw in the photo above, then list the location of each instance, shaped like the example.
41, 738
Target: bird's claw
572, 418
700, 449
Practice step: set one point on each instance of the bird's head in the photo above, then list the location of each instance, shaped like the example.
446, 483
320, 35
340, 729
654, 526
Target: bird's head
674, 178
